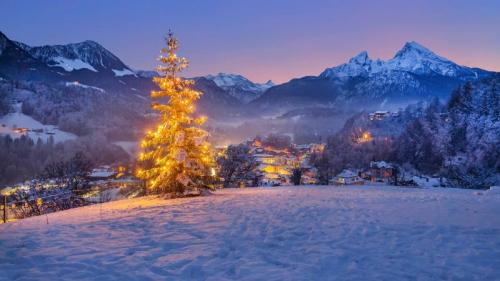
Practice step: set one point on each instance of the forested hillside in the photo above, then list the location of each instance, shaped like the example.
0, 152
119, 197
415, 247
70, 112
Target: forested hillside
458, 140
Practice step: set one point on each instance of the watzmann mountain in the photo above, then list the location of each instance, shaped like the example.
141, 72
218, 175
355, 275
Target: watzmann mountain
414, 74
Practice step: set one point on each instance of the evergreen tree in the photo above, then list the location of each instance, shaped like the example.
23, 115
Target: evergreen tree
494, 101
461, 99
4, 103
176, 156
296, 176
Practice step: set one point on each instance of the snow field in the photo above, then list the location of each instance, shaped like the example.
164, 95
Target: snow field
286, 233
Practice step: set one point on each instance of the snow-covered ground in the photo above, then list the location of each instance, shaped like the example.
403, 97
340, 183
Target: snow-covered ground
72, 64
18, 119
123, 72
286, 233
78, 84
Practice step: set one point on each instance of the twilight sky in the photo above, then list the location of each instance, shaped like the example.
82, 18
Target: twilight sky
263, 39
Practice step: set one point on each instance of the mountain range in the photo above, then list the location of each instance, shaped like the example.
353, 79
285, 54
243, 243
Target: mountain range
89, 63
415, 73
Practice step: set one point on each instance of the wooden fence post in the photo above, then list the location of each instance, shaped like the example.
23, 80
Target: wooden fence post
4, 209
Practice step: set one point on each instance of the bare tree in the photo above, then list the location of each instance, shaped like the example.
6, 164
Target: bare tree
237, 165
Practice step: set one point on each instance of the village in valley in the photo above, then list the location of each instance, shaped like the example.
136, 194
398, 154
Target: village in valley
275, 166
273, 161
269, 161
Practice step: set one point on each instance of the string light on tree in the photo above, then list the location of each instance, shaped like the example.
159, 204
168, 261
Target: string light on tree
176, 156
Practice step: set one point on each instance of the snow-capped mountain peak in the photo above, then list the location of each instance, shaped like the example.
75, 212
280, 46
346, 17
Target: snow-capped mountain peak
227, 80
239, 87
412, 57
417, 51
416, 58
269, 83
359, 65
361, 58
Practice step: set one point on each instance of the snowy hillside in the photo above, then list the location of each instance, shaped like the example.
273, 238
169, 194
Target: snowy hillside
146, 73
36, 129
289, 233
78, 84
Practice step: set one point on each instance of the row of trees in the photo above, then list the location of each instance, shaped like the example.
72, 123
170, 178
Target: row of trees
236, 165
68, 181
23, 158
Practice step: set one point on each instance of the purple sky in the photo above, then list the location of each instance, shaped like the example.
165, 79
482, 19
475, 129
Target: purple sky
263, 39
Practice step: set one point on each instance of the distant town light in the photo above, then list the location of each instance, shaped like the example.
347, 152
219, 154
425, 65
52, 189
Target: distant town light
365, 137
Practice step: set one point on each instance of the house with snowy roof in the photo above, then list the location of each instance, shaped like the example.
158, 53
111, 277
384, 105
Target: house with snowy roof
347, 177
102, 173
275, 168
379, 115
380, 171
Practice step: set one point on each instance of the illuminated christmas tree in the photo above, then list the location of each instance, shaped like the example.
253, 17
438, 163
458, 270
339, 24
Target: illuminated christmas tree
176, 156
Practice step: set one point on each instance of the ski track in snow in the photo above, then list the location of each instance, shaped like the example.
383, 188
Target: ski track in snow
286, 233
